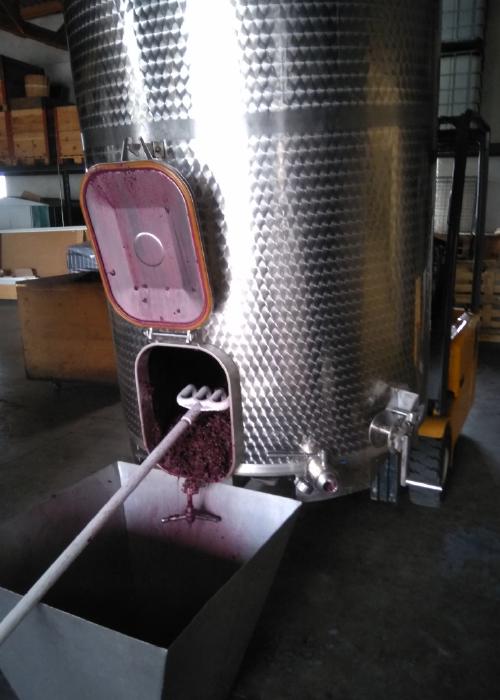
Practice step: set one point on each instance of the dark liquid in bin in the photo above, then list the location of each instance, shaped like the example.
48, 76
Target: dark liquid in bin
148, 588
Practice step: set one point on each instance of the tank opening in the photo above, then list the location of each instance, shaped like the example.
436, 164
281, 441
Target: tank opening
205, 453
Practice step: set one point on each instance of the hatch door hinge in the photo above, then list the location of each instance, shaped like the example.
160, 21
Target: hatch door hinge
171, 337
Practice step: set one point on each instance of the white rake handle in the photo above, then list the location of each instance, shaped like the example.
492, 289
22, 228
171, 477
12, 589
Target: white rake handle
76, 547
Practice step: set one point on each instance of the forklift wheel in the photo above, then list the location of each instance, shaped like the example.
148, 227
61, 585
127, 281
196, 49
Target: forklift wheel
428, 464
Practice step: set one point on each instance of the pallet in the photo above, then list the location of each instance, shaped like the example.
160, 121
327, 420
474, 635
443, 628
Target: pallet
31, 161
490, 295
75, 160
68, 158
487, 337
29, 102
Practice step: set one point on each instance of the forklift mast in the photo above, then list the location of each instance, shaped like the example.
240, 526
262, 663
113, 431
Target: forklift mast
460, 137
448, 403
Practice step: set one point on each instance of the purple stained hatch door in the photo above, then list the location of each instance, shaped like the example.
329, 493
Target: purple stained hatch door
142, 222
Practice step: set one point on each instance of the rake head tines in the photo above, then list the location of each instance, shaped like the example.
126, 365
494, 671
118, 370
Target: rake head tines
209, 400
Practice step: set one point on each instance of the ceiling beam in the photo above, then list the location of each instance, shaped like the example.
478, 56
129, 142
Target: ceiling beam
11, 21
41, 9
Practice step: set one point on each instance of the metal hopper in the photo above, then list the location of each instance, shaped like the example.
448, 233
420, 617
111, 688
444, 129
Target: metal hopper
148, 610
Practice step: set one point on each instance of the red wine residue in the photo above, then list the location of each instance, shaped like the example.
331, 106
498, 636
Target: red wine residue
203, 454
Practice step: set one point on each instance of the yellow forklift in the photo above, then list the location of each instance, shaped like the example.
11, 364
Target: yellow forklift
454, 330
453, 345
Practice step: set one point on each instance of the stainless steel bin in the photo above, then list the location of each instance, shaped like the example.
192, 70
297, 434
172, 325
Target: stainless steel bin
149, 610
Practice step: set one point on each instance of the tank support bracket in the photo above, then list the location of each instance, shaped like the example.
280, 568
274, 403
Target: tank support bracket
393, 427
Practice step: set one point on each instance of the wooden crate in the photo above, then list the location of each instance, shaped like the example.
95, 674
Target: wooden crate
30, 135
12, 74
6, 143
490, 295
491, 245
68, 138
36, 85
66, 330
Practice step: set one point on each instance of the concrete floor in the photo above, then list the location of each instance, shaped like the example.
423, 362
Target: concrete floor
371, 602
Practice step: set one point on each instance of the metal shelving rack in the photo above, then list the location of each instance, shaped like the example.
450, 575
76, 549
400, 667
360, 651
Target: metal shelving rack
63, 170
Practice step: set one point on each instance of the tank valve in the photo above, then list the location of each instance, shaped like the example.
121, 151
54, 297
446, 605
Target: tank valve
318, 477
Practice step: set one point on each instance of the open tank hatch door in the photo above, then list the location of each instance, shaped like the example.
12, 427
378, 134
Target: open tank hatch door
142, 221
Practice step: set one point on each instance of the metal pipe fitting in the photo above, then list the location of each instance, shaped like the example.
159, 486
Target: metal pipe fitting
323, 479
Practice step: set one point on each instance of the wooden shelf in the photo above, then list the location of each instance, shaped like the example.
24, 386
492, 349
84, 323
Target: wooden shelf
52, 169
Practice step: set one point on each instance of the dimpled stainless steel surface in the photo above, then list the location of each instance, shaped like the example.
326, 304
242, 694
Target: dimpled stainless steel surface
305, 130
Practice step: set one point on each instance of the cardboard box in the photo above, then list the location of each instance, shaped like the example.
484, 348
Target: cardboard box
8, 286
17, 212
43, 251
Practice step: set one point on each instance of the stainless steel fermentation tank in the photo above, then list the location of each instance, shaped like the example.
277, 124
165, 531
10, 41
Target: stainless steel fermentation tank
305, 130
